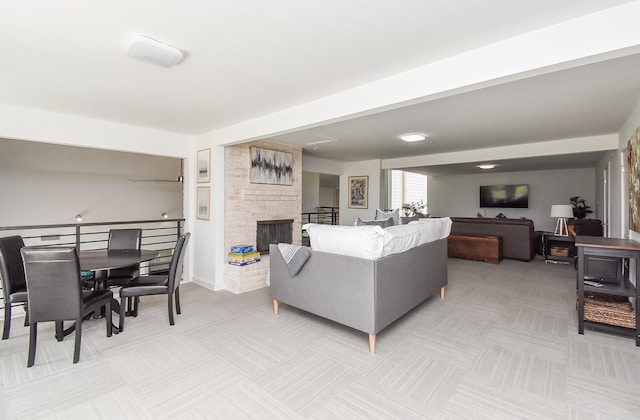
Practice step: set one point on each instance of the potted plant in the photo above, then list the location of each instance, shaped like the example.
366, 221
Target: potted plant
580, 207
414, 208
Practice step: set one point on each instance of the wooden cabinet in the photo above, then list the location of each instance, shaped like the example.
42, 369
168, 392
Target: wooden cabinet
475, 247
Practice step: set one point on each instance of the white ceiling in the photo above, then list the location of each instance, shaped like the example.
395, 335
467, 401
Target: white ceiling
585, 101
250, 58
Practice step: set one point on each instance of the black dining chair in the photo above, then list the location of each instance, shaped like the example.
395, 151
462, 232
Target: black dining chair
120, 240
124, 240
158, 284
14, 287
55, 294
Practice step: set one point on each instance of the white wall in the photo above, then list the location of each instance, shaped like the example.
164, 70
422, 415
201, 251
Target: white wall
322, 166
328, 197
611, 163
314, 195
51, 127
310, 191
459, 195
49, 184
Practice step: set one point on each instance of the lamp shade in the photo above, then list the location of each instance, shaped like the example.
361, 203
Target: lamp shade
561, 210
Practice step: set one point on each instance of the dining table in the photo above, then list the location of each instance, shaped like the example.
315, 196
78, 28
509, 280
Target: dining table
101, 260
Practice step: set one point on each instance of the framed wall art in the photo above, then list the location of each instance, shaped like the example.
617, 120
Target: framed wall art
202, 203
633, 175
358, 192
271, 167
203, 165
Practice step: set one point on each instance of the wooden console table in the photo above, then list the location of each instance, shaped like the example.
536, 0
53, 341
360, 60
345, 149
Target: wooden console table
608, 247
475, 247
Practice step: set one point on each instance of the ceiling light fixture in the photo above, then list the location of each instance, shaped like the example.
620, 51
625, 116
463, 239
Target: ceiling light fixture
487, 166
154, 52
411, 137
314, 143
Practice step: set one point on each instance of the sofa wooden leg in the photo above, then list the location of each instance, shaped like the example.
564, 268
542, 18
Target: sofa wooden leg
442, 293
372, 343
275, 306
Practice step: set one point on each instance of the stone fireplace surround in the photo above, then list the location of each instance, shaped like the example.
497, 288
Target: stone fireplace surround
247, 203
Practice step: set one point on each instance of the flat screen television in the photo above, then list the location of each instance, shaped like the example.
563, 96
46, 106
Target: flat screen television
505, 196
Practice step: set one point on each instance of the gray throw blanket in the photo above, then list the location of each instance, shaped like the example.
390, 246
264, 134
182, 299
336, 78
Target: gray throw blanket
295, 256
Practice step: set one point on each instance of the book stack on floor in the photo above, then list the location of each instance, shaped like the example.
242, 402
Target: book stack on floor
243, 255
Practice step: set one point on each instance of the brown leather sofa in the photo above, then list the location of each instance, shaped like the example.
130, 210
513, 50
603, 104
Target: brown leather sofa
587, 227
519, 240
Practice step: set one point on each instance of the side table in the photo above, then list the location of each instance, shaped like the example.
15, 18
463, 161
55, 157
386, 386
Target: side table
608, 247
558, 248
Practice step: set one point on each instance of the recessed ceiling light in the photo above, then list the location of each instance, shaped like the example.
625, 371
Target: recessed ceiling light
413, 137
487, 166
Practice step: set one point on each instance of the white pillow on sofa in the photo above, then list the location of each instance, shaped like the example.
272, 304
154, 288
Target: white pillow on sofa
404, 237
401, 238
353, 241
394, 214
434, 228
383, 223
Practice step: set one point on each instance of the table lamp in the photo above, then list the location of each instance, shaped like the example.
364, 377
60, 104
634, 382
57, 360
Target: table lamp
562, 211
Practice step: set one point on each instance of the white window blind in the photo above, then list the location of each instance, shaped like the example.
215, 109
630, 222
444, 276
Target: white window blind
407, 187
396, 189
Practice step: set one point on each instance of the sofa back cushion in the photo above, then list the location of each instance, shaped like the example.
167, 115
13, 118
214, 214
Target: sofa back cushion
401, 238
371, 242
434, 228
353, 241
588, 227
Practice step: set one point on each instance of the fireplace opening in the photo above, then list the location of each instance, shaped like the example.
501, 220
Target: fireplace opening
273, 232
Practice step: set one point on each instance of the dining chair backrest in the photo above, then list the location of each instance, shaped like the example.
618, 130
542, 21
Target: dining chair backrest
11, 268
53, 283
175, 268
124, 239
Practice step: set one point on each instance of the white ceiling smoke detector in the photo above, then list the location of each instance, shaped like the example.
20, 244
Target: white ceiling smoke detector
154, 52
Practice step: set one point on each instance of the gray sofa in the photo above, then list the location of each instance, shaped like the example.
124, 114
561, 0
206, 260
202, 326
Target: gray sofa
363, 294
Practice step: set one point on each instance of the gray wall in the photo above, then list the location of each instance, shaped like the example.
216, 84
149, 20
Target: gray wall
328, 197
49, 184
319, 190
310, 191
459, 195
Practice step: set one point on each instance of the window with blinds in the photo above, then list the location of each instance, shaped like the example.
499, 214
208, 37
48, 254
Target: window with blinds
407, 187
